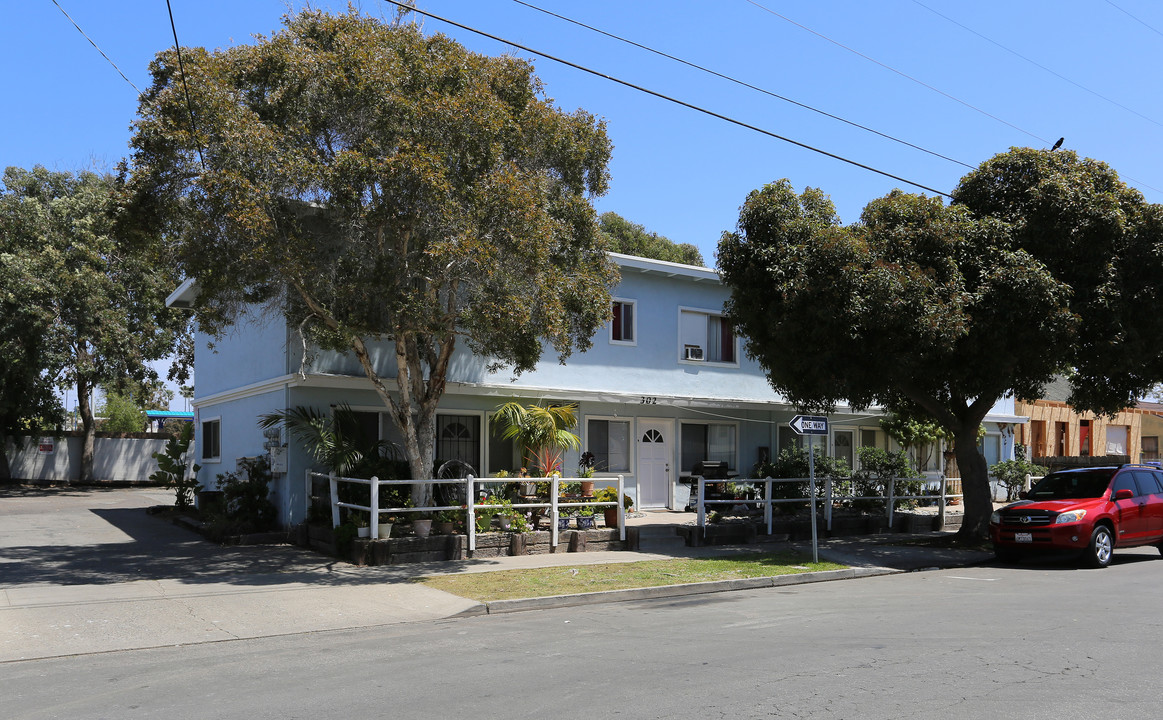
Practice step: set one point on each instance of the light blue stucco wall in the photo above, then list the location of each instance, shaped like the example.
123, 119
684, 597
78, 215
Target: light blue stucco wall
251, 351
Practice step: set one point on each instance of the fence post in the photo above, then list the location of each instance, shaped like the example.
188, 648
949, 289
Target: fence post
310, 485
891, 500
828, 505
553, 511
621, 510
767, 506
334, 499
470, 510
700, 508
374, 524
941, 507
1029, 479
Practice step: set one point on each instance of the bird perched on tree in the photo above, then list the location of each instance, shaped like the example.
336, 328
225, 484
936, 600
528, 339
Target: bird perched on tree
1057, 144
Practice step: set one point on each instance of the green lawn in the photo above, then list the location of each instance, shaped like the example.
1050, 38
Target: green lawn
542, 582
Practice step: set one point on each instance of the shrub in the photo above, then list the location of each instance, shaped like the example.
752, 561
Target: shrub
877, 466
1012, 474
171, 472
792, 462
245, 506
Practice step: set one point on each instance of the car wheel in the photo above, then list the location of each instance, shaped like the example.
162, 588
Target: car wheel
1007, 554
1101, 548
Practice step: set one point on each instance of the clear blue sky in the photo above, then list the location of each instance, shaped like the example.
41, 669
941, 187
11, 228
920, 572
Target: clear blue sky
1085, 70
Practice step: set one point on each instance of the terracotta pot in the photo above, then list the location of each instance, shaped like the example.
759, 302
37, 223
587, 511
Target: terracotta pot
611, 514
587, 488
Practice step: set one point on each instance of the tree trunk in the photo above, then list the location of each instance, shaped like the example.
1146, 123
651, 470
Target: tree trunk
5, 469
85, 409
974, 483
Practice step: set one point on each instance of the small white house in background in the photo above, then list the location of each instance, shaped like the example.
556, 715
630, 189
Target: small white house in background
665, 385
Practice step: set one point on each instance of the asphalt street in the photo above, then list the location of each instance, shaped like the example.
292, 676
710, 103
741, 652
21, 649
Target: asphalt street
1033, 641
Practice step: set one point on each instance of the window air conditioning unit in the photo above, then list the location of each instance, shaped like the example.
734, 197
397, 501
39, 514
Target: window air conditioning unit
693, 352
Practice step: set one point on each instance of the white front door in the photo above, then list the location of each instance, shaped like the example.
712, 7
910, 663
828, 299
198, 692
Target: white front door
654, 459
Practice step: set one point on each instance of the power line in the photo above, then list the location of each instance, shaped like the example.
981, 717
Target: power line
74, 22
186, 88
743, 83
898, 72
1039, 65
676, 101
1141, 22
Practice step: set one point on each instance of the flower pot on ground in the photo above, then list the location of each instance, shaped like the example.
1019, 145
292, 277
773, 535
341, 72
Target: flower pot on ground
563, 521
364, 532
611, 517
422, 527
385, 530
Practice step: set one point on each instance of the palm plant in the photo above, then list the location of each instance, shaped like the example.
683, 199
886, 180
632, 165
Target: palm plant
335, 440
544, 432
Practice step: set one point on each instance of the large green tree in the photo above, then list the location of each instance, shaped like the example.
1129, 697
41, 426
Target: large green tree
374, 184
630, 238
30, 360
97, 287
1042, 265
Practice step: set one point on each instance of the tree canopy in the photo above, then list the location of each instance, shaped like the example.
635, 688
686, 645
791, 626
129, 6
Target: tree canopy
629, 238
931, 310
372, 183
92, 290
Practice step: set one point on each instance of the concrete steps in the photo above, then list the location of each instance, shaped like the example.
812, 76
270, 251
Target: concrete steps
661, 539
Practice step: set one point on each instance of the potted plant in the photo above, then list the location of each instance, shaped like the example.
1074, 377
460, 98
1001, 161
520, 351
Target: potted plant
585, 471
610, 494
585, 518
444, 523
422, 525
563, 517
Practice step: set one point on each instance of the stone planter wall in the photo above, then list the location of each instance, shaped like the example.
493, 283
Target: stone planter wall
401, 550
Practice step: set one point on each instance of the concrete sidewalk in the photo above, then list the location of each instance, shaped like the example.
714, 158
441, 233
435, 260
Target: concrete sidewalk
87, 570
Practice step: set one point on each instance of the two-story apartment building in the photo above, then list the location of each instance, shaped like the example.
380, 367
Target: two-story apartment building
665, 385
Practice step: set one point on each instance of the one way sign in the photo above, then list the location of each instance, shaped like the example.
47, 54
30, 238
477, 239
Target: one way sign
809, 424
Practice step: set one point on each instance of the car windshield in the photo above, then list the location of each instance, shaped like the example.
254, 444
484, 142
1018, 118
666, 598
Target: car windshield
1072, 485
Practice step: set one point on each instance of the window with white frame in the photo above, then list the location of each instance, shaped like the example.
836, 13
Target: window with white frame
622, 328
705, 336
609, 441
212, 440
708, 441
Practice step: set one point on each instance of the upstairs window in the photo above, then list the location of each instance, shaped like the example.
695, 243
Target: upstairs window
706, 337
622, 327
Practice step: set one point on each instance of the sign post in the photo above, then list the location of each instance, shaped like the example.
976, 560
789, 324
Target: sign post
811, 425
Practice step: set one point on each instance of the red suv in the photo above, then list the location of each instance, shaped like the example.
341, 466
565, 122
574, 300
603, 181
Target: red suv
1092, 510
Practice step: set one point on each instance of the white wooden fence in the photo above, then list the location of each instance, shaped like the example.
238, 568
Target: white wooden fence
829, 498
471, 505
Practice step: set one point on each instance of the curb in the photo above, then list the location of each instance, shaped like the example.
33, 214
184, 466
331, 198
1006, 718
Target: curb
497, 607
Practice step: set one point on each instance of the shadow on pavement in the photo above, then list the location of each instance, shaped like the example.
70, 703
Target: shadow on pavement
159, 550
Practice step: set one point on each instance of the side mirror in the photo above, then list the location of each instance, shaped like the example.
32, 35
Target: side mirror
1024, 495
1124, 494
